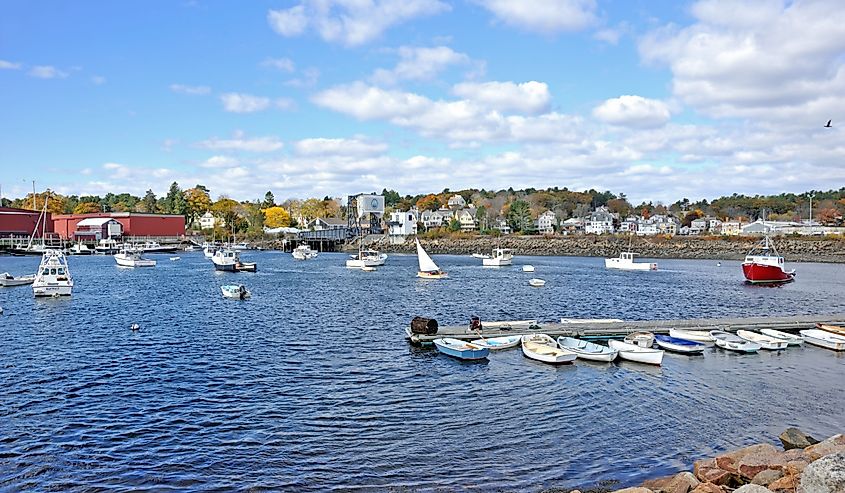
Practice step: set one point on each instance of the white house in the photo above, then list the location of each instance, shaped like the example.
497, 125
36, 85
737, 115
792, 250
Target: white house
573, 225
435, 219
457, 202
403, 223
731, 228
467, 219
503, 226
629, 225
546, 223
698, 226
599, 222
208, 221
324, 223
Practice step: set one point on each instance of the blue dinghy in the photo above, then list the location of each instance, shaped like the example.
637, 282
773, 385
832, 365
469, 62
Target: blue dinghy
460, 349
677, 345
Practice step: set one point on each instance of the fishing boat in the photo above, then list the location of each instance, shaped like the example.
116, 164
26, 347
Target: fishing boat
496, 343
303, 252
460, 349
208, 249
733, 342
235, 291
833, 329
676, 345
537, 283
225, 259
791, 339
428, 269
527, 268
53, 276
543, 348
80, 249
823, 338
702, 336
132, 258
763, 265
366, 258
155, 247
641, 339
8, 281
587, 350
510, 324
108, 246
639, 354
500, 257
625, 261
765, 341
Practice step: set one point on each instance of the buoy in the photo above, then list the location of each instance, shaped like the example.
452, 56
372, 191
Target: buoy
135, 327
1, 310
718, 264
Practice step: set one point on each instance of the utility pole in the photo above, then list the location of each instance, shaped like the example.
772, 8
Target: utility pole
811, 214
34, 203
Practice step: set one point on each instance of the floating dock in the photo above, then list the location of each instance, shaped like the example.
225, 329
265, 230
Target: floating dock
596, 329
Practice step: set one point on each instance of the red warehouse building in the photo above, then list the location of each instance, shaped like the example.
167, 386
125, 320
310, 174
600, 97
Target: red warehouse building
21, 222
134, 224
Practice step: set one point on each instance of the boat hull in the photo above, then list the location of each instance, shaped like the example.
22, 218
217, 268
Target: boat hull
496, 262
129, 262
588, 350
678, 345
637, 354
756, 273
619, 264
791, 339
224, 267
731, 342
833, 329
11, 283
497, 343
823, 339
701, 336
537, 283
49, 291
543, 348
766, 342
432, 275
461, 350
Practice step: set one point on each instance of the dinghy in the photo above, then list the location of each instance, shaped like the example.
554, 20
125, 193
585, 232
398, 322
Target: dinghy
480, 255
174, 259
494, 343
676, 345
543, 348
527, 268
587, 350
632, 352
428, 269
510, 324
824, 339
7, 280
702, 336
235, 291
766, 342
537, 283
368, 268
460, 349
791, 339
732, 342
641, 339
833, 329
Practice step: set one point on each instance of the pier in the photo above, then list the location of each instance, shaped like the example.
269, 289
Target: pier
589, 329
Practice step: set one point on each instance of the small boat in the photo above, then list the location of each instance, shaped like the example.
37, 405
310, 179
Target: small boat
732, 342
702, 336
53, 276
246, 267
155, 247
208, 249
764, 265
625, 261
676, 345
590, 320
366, 258
510, 324
823, 338
587, 350
80, 249
428, 269
190, 248
241, 246
537, 283
108, 246
543, 348
235, 291
641, 339
368, 268
639, 354
480, 255
461, 349
174, 259
500, 257
8, 281
833, 329
791, 339
494, 343
765, 341
132, 258
225, 259
303, 252
527, 268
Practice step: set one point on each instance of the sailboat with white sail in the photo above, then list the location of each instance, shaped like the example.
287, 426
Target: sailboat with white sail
428, 269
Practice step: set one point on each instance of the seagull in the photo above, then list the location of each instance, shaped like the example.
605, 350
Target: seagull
828, 124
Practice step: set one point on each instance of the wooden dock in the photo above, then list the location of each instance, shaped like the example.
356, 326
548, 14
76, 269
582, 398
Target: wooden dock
607, 330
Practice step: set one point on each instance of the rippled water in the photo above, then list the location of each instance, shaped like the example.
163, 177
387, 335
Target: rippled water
310, 386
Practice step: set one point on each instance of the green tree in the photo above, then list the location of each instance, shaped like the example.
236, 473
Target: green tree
519, 216
454, 225
391, 197
481, 217
269, 200
174, 201
149, 202
227, 209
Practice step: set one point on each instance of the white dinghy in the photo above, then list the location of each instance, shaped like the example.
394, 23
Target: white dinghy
641, 339
791, 339
537, 283
823, 338
495, 343
235, 291
702, 336
587, 350
8, 281
527, 268
732, 342
639, 354
543, 348
766, 342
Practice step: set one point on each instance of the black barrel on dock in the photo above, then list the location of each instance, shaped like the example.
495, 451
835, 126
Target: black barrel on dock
422, 325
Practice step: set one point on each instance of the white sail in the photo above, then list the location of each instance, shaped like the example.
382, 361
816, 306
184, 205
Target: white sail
426, 264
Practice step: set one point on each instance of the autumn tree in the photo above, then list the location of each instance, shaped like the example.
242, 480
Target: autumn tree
197, 203
86, 208
276, 217
227, 209
312, 209
430, 202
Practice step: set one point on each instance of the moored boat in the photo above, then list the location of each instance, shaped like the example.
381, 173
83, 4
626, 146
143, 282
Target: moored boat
498, 258
225, 259
763, 265
132, 258
495, 343
701, 336
510, 324
527, 268
366, 258
791, 339
639, 354
303, 252
543, 348
677, 345
53, 277
833, 329
480, 255
587, 350
8, 281
823, 338
765, 341
235, 291
641, 339
461, 349
428, 269
625, 261
537, 283
733, 342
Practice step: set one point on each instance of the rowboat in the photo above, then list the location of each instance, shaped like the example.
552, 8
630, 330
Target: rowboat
791, 339
235, 291
632, 352
7, 280
460, 349
587, 350
641, 339
766, 342
537, 283
527, 268
494, 343
833, 329
543, 348
823, 338
368, 268
510, 324
732, 342
702, 336
677, 345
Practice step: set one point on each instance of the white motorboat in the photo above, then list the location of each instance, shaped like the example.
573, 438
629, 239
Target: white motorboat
190, 248
733, 342
791, 339
537, 283
500, 257
509, 324
368, 268
241, 246
8, 281
208, 249
543, 348
765, 341
108, 246
641, 339
53, 277
428, 269
80, 249
154, 247
587, 350
702, 336
174, 259
366, 258
823, 338
632, 352
229, 260
235, 291
625, 261
527, 268
494, 343
303, 252
132, 258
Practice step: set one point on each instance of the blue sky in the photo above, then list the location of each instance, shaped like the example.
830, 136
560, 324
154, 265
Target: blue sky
659, 100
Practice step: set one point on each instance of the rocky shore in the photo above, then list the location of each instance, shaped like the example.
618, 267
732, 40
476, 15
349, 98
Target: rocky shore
722, 248
805, 465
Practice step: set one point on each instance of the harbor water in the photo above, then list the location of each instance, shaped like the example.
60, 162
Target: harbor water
310, 385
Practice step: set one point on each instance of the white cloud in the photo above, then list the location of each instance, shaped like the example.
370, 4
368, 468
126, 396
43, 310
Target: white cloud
420, 64
351, 23
349, 147
240, 143
544, 16
370, 103
234, 102
98, 80
47, 72
5, 65
527, 97
633, 111
190, 90
608, 35
219, 162
283, 64
309, 78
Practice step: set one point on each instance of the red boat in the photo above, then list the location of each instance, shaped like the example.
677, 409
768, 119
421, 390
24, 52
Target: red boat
763, 265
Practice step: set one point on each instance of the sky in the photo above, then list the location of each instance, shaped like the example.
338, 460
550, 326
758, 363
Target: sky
660, 100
